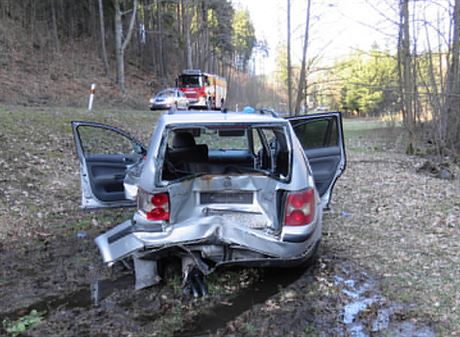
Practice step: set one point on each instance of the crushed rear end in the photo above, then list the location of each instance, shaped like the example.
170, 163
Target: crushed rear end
246, 203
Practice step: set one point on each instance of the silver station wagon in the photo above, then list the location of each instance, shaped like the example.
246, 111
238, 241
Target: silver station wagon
213, 188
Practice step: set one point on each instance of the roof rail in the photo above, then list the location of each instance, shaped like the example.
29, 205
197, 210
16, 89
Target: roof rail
263, 111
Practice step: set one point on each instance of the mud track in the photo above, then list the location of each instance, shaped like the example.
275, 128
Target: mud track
331, 297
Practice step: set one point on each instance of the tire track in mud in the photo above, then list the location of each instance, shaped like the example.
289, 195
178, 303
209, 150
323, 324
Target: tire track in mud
82, 297
331, 298
353, 301
212, 319
219, 315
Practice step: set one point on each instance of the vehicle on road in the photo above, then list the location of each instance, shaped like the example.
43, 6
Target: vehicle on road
203, 90
213, 188
169, 98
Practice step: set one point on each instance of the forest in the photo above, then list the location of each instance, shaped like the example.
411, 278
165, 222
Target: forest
131, 43
388, 260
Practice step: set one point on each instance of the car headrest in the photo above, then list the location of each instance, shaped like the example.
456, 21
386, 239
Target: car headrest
183, 139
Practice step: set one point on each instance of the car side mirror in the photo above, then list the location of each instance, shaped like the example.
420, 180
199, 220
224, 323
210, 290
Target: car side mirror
139, 149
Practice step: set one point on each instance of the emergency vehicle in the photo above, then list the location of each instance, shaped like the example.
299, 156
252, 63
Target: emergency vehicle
203, 90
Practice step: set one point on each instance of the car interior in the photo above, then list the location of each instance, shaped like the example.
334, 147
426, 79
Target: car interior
225, 151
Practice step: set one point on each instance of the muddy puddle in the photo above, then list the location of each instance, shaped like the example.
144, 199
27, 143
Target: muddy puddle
366, 313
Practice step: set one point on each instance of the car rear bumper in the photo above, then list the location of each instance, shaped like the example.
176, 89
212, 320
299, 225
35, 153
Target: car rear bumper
160, 106
223, 244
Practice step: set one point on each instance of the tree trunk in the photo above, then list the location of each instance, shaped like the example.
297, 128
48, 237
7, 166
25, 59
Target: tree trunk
188, 43
120, 43
105, 61
55, 29
301, 92
451, 114
289, 56
161, 41
405, 75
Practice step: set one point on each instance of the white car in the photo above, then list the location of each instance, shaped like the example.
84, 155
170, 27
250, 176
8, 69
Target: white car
169, 98
213, 188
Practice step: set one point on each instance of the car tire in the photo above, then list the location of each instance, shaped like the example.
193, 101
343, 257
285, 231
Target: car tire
313, 256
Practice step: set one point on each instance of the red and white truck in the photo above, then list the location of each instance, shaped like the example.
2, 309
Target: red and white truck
203, 90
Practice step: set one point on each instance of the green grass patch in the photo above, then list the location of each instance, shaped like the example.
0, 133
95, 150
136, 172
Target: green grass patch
24, 323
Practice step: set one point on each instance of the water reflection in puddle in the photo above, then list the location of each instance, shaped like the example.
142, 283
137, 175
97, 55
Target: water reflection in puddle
367, 313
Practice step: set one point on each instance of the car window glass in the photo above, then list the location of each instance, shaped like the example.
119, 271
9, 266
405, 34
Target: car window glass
223, 140
257, 143
165, 93
216, 139
103, 141
317, 133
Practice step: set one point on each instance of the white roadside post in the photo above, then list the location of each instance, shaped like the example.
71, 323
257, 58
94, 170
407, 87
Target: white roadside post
91, 96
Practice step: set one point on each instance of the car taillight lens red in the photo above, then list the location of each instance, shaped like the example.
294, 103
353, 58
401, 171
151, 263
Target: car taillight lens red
160, 199
158, 213
154, 206
300, 208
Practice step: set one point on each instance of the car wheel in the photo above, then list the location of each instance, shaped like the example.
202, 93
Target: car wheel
312, 258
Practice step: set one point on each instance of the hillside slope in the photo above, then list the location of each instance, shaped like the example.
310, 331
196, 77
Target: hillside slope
32, 73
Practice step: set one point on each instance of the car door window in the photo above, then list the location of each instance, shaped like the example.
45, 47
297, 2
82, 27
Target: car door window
317, 133
321, 137
103, 141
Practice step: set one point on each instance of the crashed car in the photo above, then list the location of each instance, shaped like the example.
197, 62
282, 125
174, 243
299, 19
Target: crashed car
213, 188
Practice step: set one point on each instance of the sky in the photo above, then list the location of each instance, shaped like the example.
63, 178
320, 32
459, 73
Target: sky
337, 26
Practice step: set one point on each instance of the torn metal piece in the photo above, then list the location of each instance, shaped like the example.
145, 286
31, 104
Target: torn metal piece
193, 277
146, 272
94, 291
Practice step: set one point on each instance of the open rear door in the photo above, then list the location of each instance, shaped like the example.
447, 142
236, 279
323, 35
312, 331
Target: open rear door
321, 136
105, 154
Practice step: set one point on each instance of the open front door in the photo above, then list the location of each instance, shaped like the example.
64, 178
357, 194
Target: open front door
321, 136
105, 154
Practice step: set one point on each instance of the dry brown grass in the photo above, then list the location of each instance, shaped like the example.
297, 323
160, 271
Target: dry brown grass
400, 224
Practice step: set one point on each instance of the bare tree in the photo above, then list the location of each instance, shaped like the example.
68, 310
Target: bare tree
302, 78
55, 28
405, 74
120, 43
451, 118
289, 56
105, 61
187, 21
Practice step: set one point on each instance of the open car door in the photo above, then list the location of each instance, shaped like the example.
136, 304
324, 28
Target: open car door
105, 154
321, 136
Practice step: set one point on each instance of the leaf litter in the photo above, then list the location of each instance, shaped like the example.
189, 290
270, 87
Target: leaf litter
393, 222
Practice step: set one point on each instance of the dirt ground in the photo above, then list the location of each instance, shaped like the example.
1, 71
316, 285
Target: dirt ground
388, 263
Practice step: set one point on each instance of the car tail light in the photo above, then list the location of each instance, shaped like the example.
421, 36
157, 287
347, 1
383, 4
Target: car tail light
300, 208
154, 206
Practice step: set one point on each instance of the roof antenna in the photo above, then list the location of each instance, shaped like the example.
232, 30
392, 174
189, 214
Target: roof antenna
172, 110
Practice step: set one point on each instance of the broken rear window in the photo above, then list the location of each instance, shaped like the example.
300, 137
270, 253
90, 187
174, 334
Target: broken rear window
224, 149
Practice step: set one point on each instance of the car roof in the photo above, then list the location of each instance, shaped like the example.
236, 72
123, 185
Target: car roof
166, 90
212, 117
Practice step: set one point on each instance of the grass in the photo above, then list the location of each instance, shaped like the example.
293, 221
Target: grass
39, 171
24, 323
